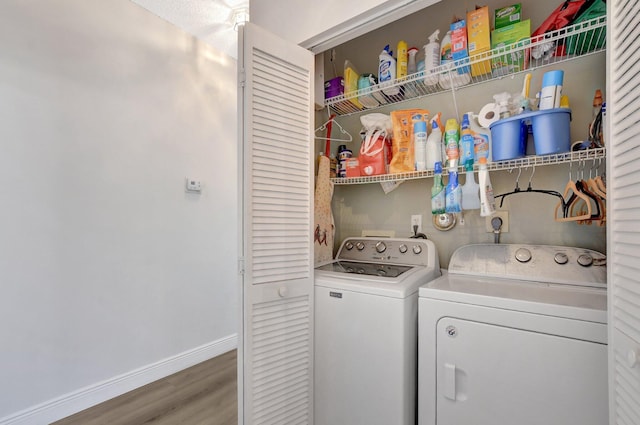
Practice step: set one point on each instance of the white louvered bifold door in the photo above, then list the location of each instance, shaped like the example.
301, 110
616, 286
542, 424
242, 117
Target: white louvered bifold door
623, 210
276, 353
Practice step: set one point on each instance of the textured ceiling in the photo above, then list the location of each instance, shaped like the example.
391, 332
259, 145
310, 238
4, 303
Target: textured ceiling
209, 20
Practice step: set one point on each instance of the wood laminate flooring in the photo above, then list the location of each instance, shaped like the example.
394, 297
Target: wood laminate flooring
205, 394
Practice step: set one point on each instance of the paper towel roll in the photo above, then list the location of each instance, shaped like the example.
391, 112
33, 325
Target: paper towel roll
489, 114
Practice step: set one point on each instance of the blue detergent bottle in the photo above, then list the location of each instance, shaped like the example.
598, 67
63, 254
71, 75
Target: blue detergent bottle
453, 193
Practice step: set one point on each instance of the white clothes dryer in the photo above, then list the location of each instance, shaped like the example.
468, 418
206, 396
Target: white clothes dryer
366, 317
515, 334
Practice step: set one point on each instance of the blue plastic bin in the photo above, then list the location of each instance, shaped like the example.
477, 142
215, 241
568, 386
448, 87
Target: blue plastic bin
551, 134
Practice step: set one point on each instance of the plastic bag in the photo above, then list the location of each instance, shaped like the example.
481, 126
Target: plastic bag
372, 153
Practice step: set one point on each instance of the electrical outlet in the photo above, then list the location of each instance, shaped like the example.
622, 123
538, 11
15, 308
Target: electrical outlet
504, 215
416, 220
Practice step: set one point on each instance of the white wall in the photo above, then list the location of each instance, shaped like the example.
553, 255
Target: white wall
107, 265
311, 23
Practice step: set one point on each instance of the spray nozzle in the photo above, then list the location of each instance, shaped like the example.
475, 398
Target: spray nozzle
434, 37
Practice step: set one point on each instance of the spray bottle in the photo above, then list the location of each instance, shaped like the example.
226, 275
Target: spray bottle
466, 142
431, 59
453, 193
420, 144
487, 202
412, 67
451, 142
437, 191
434, 143
481, 138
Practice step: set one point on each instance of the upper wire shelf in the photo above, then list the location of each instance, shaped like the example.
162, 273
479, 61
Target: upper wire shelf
527, 161
562, 45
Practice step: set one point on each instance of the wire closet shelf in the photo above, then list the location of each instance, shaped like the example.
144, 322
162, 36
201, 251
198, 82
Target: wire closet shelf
527, 161
554, 47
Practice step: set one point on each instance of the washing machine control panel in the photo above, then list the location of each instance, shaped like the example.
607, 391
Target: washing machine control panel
542, 263
389, 250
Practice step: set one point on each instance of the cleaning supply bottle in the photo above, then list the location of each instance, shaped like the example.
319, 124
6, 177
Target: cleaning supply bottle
412, 66
431, 59
451, 139
434, 144
420, 145
387, 72
402, 61
481, 138
437, 191
446, 55
487, 202
470, 190
466, 142
453, 194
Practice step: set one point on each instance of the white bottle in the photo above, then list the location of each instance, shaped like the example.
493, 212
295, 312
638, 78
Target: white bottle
487, 202
434, 145
431, 59
387, 73
420, 145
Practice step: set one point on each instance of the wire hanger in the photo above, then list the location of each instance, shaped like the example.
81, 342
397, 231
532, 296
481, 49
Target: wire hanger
329, 123
529, 189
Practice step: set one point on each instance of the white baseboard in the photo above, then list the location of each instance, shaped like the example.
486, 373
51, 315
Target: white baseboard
84, 398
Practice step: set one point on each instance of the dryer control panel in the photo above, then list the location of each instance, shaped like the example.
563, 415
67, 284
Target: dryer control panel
542, 263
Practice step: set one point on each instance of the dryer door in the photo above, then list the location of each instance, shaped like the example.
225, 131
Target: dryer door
488, 374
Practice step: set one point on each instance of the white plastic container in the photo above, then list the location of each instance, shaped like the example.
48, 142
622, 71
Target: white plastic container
470, 192
551, 89
434, 145
431, 59
387, 73
420, 145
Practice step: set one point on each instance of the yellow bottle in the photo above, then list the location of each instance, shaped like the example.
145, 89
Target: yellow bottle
403, 59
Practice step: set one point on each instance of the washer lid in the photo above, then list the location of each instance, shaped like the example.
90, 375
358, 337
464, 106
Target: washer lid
574, 302
400, 286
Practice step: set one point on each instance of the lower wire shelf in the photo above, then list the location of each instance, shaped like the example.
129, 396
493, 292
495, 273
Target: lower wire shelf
527, 161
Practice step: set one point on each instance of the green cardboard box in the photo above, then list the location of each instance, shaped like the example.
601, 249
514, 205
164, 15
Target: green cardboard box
508, 15
511, 39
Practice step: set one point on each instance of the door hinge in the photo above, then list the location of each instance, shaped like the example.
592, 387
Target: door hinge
241, 266
242, 78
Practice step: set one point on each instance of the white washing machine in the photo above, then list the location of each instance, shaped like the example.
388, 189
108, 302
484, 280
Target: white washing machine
366, 315
515, 334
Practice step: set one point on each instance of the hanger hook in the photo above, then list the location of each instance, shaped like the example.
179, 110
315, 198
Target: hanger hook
533, 171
